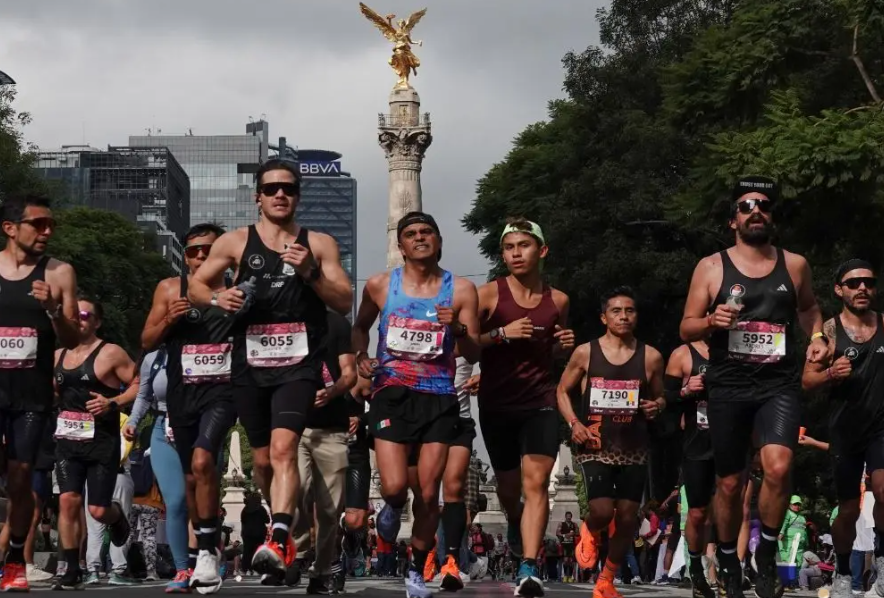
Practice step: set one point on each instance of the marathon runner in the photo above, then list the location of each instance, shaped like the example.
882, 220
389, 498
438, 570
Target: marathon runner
285, 276
567, 531
684, 384
621, 379
424, 313
88, 447
746, 301
856, 377
524, 324
199, 397
38, 303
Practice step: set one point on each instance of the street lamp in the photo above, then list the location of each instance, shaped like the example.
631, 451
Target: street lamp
6, 79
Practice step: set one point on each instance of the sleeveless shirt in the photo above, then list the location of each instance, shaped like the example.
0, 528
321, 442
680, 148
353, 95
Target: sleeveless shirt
697, 441
74, 386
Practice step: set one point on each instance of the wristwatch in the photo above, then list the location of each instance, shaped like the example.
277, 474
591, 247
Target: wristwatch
497, 335
459, 329
54, 315
314, 274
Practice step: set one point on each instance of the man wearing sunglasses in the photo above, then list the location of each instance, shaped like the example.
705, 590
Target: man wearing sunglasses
286, 275
855, 375
748, 300
38, 304
199, 394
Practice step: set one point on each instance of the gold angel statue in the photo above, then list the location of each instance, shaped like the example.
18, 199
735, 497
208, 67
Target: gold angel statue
403, 59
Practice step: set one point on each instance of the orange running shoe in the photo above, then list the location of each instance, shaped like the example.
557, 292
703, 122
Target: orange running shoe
15, 578
604, 588
270, 558
586, 552
430, 565
451, 581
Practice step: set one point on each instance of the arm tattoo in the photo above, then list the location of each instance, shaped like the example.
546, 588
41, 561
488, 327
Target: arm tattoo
829, 329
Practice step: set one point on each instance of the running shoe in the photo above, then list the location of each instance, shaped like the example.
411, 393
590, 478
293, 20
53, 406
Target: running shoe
205, 574
15, 578
71, 580
415, 586
767, 584
272, 558
879, 583
528, 581
451, 579
180, 584
604, 588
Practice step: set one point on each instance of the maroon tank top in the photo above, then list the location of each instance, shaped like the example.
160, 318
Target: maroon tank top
517, 375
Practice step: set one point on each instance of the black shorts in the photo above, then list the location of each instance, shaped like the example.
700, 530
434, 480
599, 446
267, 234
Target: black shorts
41, 482
91, 466
404, 416
568, 551
208, 433
510, 435
358, 473
617, 482
699, 482
263, 409
466, 433
773, 420
848, 468
24, 433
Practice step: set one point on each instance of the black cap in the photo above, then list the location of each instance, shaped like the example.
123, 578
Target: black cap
416, 218
755, 184
851, 264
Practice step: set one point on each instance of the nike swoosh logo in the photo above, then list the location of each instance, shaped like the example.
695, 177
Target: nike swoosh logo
431, 314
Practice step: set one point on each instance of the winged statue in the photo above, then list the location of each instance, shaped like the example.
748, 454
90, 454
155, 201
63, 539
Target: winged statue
403, 60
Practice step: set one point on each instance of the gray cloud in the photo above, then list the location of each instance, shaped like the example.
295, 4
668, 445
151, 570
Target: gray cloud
99, 71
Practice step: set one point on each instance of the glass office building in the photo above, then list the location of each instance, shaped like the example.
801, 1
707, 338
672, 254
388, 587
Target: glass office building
221, 169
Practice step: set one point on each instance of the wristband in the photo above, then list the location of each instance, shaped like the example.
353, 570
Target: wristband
684, 391
572, 422
821, 335
828, 373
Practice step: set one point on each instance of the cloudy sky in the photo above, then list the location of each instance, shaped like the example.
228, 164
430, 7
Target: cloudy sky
97, 71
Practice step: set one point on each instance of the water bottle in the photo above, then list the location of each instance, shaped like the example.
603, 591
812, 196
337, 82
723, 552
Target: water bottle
249, 288
736, 301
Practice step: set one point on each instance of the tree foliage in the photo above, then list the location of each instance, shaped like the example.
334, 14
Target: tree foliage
16, 157
630, 174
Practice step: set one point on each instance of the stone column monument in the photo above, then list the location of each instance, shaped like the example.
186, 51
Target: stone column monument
565, 491
234, 494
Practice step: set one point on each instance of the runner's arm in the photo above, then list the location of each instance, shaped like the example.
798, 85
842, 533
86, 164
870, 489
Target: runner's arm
126, 371
468, 315
367, 314
809, 314
677, 373
695, 325
816, 374
571, 377
67, 324
144, 395
347, 381
564, 304
333, 284
157, 324
224, 255
654, 363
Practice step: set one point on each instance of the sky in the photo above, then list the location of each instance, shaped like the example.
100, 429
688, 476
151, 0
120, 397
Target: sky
97, 71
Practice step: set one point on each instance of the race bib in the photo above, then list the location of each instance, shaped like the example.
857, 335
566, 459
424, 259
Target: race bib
757, 342
702, 418
414, 340
205, 363
276, 345
327, 377
73, 425
18, 348
613, 397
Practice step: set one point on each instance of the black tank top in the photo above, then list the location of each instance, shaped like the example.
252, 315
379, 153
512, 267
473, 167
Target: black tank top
568, 526
760, 354
858, 414
27, 345
199, 354
74, 387
611, 409
697, 441
279, 339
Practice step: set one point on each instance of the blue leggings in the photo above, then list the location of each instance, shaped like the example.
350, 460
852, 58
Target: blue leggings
170, 477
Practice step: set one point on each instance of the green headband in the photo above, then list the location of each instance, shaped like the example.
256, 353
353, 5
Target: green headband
534, 231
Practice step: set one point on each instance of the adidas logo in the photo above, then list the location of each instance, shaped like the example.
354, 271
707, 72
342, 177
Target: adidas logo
880, 349
782, 287
85, 377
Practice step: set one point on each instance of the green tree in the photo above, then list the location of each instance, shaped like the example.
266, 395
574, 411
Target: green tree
16, 157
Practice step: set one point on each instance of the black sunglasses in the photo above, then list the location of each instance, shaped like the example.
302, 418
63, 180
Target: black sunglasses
854, 283
192, 251
746, 206
41, 224
271, 189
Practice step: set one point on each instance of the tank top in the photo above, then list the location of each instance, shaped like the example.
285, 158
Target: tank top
279, 339
568, 527
199, 354
611, 409
858, 411
27, 345
759, 355
414, 350
75, 423
479, 543
697, 441
518, 375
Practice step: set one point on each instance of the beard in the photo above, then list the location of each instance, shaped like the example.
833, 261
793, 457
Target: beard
755, 236
859, 310
32, 250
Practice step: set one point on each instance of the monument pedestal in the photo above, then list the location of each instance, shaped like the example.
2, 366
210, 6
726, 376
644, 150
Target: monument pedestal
565, 491
234, 495
493, 519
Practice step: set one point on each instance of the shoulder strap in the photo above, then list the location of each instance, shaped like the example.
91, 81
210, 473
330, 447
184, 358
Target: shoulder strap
158, 363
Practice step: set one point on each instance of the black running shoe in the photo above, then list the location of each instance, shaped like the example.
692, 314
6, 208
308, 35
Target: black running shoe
71, 580
768, 583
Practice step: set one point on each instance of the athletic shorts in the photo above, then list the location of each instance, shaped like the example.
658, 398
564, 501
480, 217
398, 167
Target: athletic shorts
208, 433
23, 433
90, 466
405, 416
358, 483
510, 435
264, 409
617, 482
848, 468
41, 482
568, 551
699, 482
773, 420
466, 433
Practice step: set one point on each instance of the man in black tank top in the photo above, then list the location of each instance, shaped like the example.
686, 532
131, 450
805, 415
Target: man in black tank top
621, 380
285, 277
199, 398
747, 301
686, 389
855, 375
38, 303
88, 443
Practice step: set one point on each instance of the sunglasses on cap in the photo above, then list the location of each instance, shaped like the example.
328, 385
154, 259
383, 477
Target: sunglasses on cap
746, 206
192, 251
271, 189
854, 283
85, 315
41, 224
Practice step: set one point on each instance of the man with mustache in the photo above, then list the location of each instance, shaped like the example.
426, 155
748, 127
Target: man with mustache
856, 377
747, 300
